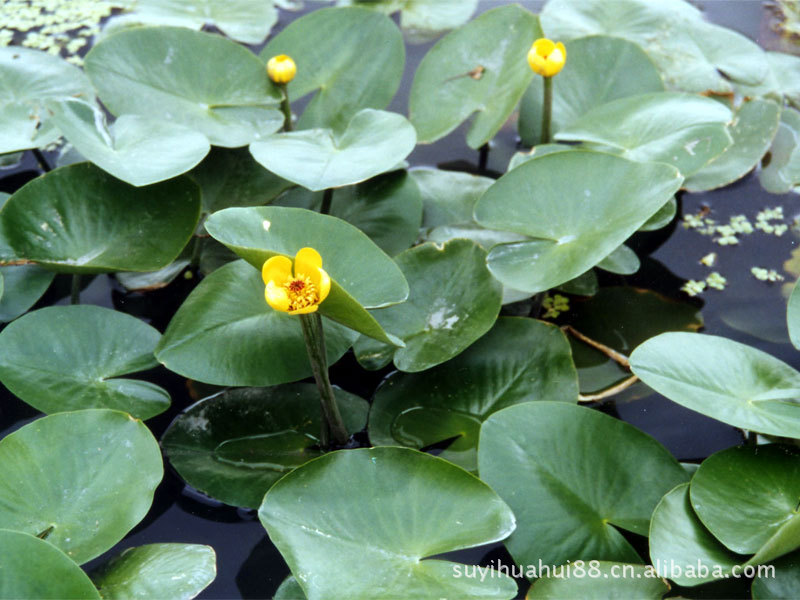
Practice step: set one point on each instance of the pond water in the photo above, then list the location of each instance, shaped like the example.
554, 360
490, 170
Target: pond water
748, 310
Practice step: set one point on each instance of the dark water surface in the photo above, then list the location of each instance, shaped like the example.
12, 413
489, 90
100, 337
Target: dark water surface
749, 311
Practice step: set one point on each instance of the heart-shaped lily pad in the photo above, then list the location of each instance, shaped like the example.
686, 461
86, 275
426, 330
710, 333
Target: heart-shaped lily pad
753, 128
519, 360
479, 67
79, 219
135, 149
28, 79
34, 568
82, 479
423, 21
600, 580
344, 545
782, 79
723, 379
232, 177
246, 21
448, 197
157, 571
781, 171
581, 86
572, 476
681, 549
64, 358
362, 276
388, 208
373, 142
342, 38
235, 445
453, 302
578, 206
693, 55
747, 497
226, 334
684, 130
203, 81
23, 285
622, 261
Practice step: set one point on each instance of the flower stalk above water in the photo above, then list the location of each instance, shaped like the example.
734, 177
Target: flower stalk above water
547, 58
281, 70
299, 289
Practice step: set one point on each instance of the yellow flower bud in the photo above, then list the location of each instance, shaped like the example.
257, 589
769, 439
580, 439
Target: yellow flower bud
547, 58
281, 69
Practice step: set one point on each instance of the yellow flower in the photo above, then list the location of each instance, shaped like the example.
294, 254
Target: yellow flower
281, 69
547, 58
299, 293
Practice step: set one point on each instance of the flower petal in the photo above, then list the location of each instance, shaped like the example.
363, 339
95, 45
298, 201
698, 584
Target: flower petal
323, 285
306, 262
543, 46
305, 310
276, 297
277, 269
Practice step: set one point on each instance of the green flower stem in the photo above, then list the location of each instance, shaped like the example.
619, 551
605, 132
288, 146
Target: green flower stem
547, 109
333, 429
286, 107
37, 154
483, 157
327, 198
75, 291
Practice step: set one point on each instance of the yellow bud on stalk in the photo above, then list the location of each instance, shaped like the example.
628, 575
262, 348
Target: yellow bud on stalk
281, 69
546, 57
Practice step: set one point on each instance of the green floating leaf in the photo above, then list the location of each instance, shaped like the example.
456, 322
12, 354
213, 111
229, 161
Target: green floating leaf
448, 197
684, 130
521, 157
753, 128
622, 261
289, 589
723, 492
579, 206
23, 285
519, 360
175, 571
373, 142
423, 21
154, 280
203, 81
423, 506
388, 208
234, 446
722, 379
693, 55
479, 67
572, 476
453, 302
681, 549
782, 80
600, 580
232, 177
79, 219
246, 21
362, 276
83, 479
792, 317
28, 80
781, 583
135, 149
335, 63
581, 85
34, 568
781, 167
64, 358
225, 333
583, 285
663, 217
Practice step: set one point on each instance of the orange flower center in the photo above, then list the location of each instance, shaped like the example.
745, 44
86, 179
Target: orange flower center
301, 291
